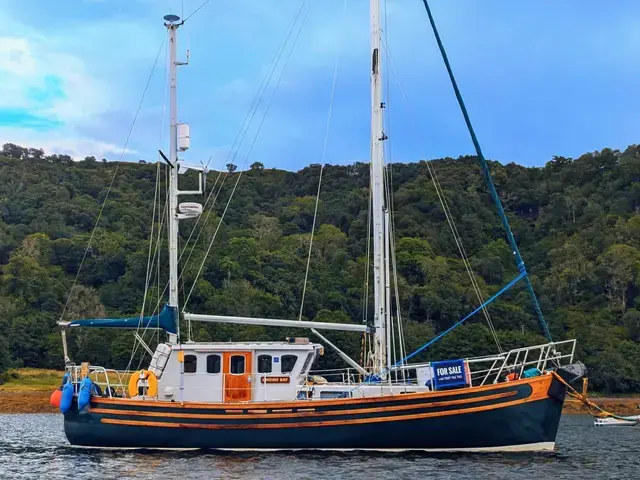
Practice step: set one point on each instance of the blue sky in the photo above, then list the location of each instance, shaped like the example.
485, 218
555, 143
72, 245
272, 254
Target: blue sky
540, 78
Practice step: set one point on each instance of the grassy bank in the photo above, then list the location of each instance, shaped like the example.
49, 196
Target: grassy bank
27, 390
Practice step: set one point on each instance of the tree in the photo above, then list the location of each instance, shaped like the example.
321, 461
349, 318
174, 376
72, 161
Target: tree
231, 167
621, 264
5, 359
14, 151
577, 222
35, 153
631, 320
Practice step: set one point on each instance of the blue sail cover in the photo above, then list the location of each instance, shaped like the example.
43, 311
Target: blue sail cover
166, 320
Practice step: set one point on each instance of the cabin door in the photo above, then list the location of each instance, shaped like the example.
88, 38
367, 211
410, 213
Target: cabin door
237, 377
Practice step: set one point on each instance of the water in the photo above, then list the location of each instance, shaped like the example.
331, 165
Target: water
34, 446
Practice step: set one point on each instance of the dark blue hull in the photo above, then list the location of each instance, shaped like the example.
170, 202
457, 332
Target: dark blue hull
522, 415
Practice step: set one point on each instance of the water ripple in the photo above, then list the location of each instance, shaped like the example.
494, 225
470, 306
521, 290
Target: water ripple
34, 446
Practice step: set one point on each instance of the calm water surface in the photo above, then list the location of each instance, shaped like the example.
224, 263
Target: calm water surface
34, 446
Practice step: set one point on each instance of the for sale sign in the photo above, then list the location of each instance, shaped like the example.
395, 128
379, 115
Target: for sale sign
449, 373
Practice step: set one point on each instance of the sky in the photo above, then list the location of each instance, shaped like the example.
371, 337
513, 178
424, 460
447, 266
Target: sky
540, 78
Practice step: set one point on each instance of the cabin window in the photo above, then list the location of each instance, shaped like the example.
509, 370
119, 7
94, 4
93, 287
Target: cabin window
237, 364
307, 362
287, 363
264, 364
213, 363
331, 394
190, 364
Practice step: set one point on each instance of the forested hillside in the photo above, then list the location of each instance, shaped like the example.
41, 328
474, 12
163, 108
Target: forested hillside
577, 222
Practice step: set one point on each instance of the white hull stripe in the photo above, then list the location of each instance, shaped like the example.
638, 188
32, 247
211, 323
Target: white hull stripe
527, 447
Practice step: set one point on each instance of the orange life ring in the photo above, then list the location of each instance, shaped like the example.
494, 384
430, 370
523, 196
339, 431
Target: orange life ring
152, 383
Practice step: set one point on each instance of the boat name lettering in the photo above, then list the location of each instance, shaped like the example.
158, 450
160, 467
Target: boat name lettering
275, 379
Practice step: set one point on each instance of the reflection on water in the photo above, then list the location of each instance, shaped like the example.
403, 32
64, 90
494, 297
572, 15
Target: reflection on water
34, 446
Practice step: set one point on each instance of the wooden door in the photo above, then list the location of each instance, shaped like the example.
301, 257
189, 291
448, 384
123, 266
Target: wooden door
237, 376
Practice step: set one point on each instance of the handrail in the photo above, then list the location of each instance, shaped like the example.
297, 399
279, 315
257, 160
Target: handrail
483, 370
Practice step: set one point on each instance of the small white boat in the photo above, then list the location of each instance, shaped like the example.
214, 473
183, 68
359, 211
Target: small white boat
617, 422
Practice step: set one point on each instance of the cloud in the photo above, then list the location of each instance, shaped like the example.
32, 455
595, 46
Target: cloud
74, 83
49, 84
77, 147
44, 93
59, 84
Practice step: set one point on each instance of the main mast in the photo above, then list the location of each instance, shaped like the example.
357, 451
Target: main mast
380, 240
172, 22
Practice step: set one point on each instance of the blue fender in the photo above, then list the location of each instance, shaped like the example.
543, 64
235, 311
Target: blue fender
84, 395
66, 401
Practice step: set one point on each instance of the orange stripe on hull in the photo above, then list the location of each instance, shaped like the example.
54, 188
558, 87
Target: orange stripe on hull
302, 414
539, 386
326, 423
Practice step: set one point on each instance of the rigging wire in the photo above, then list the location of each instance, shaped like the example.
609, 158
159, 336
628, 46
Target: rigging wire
210, 209
156, 254
240, 136
322, 164
487, 175
449, 217
389, 191
113, 178
157, 195
365, 353
204, 4
165, 216
463, 254
365, 306
279, 80
150, 261
246, 125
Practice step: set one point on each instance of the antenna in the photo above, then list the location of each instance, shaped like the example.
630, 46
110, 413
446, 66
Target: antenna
205, 170
171, 18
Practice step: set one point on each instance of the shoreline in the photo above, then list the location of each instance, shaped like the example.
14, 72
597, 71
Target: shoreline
15, 399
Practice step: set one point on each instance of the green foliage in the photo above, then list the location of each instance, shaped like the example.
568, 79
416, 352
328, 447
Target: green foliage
577, 223
5, 358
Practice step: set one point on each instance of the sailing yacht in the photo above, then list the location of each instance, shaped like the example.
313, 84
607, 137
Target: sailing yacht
264, 396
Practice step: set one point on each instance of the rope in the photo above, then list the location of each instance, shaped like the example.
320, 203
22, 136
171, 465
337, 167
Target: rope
572, 392
487, 173
322, 162
113, 177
